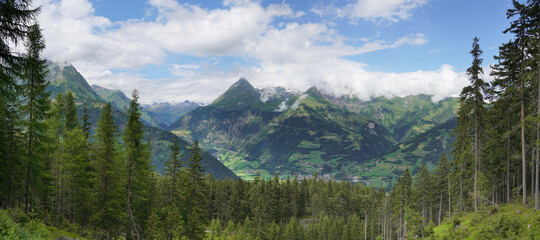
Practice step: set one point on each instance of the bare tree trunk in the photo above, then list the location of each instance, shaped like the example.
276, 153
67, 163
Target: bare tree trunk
508, 187
476, 162
523, 148
449, 193
536, 188
365, 226
440, 210
533, 159
461, 188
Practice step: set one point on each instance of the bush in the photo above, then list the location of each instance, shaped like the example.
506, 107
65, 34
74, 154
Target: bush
10, 230
508, 226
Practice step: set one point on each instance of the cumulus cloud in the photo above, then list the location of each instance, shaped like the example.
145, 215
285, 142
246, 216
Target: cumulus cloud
286, 53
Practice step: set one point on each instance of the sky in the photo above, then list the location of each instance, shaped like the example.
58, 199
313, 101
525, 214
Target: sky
172, 50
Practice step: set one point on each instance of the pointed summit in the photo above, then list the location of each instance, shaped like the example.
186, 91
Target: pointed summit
240, 95
64, 77
242, 82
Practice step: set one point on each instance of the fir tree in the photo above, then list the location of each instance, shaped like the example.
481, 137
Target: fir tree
472, 99
86, 125
35, 106
196, 214
107, 182
137, 170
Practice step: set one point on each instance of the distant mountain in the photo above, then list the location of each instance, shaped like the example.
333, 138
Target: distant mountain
287, 133
119, 101
168, 113
65, 77
234, 117
404, 117
259, 132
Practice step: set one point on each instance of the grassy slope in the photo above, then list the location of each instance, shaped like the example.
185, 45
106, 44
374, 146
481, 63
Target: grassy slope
502, 222
342, 138
424, 148
315, 137
404, 117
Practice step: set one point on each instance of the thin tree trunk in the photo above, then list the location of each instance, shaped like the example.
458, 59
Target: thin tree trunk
449, 193
461, 188
28, 165
533, 159
128, 202
536, 187
508, 187
523, 147
440, 209
365, 226
476, 163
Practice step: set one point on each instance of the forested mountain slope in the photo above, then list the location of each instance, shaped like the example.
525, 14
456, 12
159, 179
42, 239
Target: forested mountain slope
65, 78
277, 130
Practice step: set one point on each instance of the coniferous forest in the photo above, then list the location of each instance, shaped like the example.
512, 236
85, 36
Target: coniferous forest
59, 178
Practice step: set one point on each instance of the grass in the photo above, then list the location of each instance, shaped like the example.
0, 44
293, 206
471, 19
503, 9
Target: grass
509, 221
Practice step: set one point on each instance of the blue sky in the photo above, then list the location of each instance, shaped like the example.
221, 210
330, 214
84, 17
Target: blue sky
194, 50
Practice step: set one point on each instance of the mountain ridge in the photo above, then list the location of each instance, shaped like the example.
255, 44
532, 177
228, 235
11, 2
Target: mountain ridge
309, 133
161, 141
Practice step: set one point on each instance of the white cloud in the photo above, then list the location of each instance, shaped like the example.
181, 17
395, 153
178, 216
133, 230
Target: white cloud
184, 70
282, 107
377, 10
73, 33
287, 53
298, 101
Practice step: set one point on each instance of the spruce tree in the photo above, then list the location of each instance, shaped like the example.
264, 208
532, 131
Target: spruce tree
519, 28
138, 170
72, 121
175, 182
35, 106
107, 181
196, 214
86, 125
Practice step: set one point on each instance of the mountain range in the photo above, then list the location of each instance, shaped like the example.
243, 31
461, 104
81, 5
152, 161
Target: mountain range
258, 132
64, 77
261, 132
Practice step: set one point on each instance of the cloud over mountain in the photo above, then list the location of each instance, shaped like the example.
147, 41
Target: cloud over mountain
277, 45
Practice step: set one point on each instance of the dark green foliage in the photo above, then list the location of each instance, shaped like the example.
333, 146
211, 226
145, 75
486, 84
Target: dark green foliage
35, 103
64, 78
196, 215
72, 120
137, 171
107, 181
86, 125
313, 132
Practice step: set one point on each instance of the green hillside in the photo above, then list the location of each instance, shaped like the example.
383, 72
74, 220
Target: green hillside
161, 140
508, 221
316, 137
404, 117
119, 101
424, 148
317, 134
